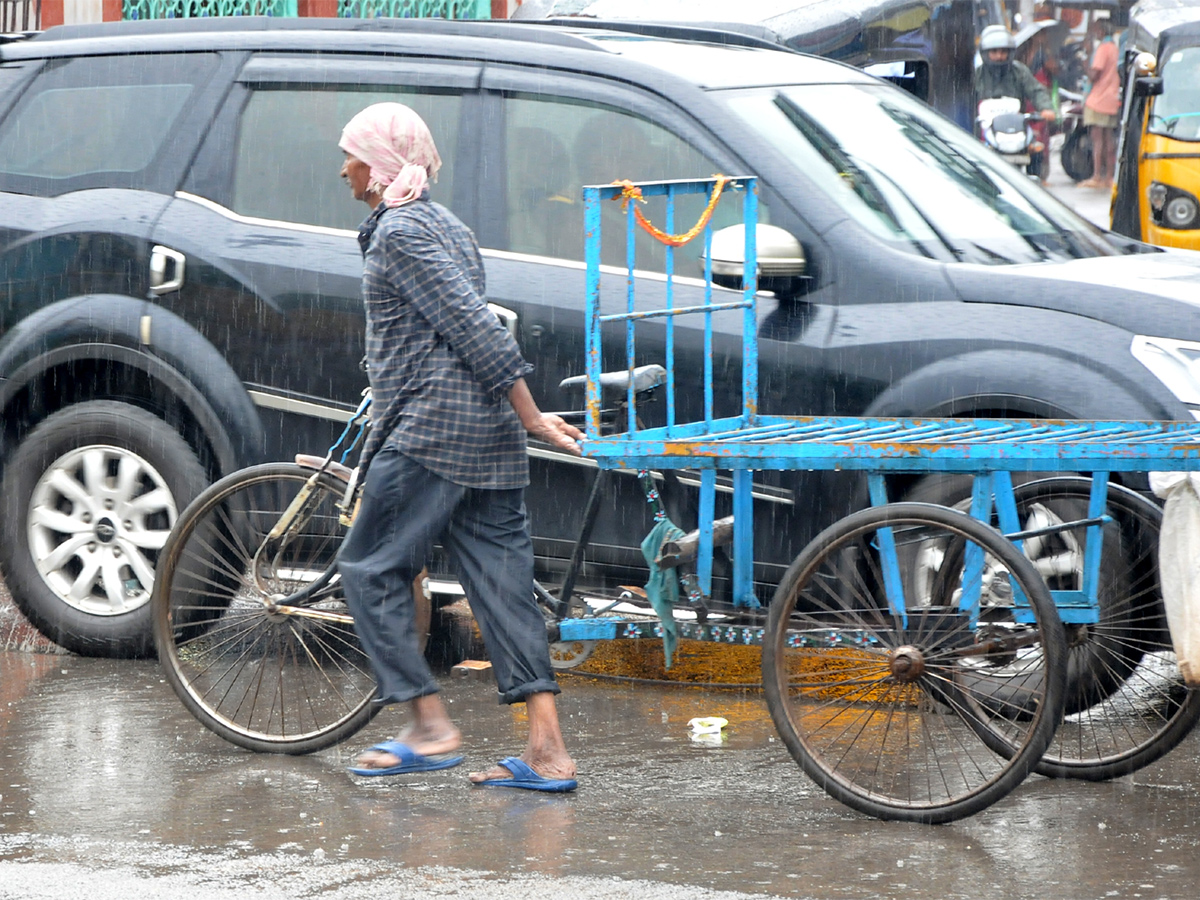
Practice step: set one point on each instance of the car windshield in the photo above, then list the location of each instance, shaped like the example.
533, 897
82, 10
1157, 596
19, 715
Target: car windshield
915, 179
1176, 111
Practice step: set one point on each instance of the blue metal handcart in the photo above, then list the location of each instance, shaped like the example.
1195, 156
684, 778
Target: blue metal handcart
918, 661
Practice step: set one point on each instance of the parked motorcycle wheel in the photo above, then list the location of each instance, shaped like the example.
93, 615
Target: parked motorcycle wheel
1039, 165
1076, 154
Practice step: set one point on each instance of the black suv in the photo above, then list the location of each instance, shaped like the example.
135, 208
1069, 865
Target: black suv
180, 274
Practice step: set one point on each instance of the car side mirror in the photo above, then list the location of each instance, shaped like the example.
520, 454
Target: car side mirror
782, 265
1144, 64
1148, 86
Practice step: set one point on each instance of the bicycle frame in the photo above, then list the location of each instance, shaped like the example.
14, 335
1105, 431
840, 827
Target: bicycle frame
297, 514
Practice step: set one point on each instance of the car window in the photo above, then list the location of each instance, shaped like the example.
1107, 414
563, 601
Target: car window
1177, 110
89, 116
554, 146
913, 178
287, 159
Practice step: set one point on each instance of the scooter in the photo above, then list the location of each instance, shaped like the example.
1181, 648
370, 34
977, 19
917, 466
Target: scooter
1076, 153
1008, 131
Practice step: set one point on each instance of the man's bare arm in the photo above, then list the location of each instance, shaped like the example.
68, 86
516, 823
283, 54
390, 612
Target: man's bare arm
544, 426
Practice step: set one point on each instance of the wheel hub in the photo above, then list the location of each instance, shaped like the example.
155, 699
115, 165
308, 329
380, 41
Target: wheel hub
97, 519
907, 664
106, 531
271, 605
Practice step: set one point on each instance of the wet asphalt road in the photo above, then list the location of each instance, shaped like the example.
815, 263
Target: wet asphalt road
106, 780
1090, 203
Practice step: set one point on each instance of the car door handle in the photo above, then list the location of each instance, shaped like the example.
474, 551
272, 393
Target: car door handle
506, 316
166, 270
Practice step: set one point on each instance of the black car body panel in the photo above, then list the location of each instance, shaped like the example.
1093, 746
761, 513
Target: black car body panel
248, 334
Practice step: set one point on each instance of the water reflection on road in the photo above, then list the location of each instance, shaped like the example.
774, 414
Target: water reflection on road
102, 770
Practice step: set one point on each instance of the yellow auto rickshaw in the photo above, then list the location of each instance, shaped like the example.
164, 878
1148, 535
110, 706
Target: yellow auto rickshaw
1156, 197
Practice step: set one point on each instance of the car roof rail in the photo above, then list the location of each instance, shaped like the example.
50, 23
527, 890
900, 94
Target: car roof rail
734, 34
11, 37
384, 24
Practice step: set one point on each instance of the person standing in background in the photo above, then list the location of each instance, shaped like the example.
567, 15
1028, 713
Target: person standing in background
1041, 61
1102, 106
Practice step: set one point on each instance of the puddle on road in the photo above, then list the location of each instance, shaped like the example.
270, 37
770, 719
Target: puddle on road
106, 754
18, 673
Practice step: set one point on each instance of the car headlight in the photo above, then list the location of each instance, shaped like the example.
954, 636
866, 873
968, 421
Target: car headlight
1180, 212
1175, 363
1171, 207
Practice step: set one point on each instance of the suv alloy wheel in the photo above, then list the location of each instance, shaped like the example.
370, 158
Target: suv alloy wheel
92, 493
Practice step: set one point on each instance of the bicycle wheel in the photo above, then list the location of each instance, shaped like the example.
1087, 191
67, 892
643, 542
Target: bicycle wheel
891, 720
260, 673
1126, 701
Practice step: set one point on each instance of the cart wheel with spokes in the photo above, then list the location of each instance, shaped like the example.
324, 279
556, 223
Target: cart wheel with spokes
890, 718
1127, 704
251, 627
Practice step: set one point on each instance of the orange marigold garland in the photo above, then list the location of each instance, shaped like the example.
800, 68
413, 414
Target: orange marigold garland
630, 191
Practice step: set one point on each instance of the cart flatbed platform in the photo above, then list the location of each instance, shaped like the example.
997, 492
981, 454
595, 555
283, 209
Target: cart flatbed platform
899, 444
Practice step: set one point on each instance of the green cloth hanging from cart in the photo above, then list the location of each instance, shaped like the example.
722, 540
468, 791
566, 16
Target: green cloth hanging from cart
662, 590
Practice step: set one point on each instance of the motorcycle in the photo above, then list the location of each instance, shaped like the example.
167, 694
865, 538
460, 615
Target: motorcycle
1009, 132
1076, 153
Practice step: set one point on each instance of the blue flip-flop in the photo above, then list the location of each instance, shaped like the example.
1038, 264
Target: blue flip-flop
410, 761
524, 777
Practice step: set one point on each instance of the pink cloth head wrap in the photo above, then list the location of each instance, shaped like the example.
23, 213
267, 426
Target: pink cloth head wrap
395, 142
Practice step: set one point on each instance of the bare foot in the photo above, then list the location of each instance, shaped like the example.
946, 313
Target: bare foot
545, 751
426, 742
546, 766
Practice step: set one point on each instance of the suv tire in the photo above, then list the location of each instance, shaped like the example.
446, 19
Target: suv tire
1101, 657
93, 491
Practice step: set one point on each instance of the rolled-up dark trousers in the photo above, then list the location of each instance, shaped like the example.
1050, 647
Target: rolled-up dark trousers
405, 510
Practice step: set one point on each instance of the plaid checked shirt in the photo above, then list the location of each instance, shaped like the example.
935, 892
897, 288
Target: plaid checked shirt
439, 361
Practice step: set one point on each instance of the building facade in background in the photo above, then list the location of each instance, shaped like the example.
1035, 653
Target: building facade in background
32, 15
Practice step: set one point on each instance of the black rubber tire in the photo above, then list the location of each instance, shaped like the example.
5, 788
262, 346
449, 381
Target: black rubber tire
1126, 702
1140, 707
45, 513
902, 743
266, 681
1039, 165
1094, 668
1076, 154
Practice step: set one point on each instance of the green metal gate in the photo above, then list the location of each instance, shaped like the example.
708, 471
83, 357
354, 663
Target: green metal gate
367, 9
194, 9
408, 9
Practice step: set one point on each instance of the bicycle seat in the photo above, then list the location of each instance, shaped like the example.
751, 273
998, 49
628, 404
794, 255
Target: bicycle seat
645, 378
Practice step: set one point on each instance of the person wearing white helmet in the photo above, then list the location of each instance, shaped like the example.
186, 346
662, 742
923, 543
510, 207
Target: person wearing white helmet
1000, 75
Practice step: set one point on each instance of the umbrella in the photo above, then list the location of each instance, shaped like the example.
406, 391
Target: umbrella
1054, 29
